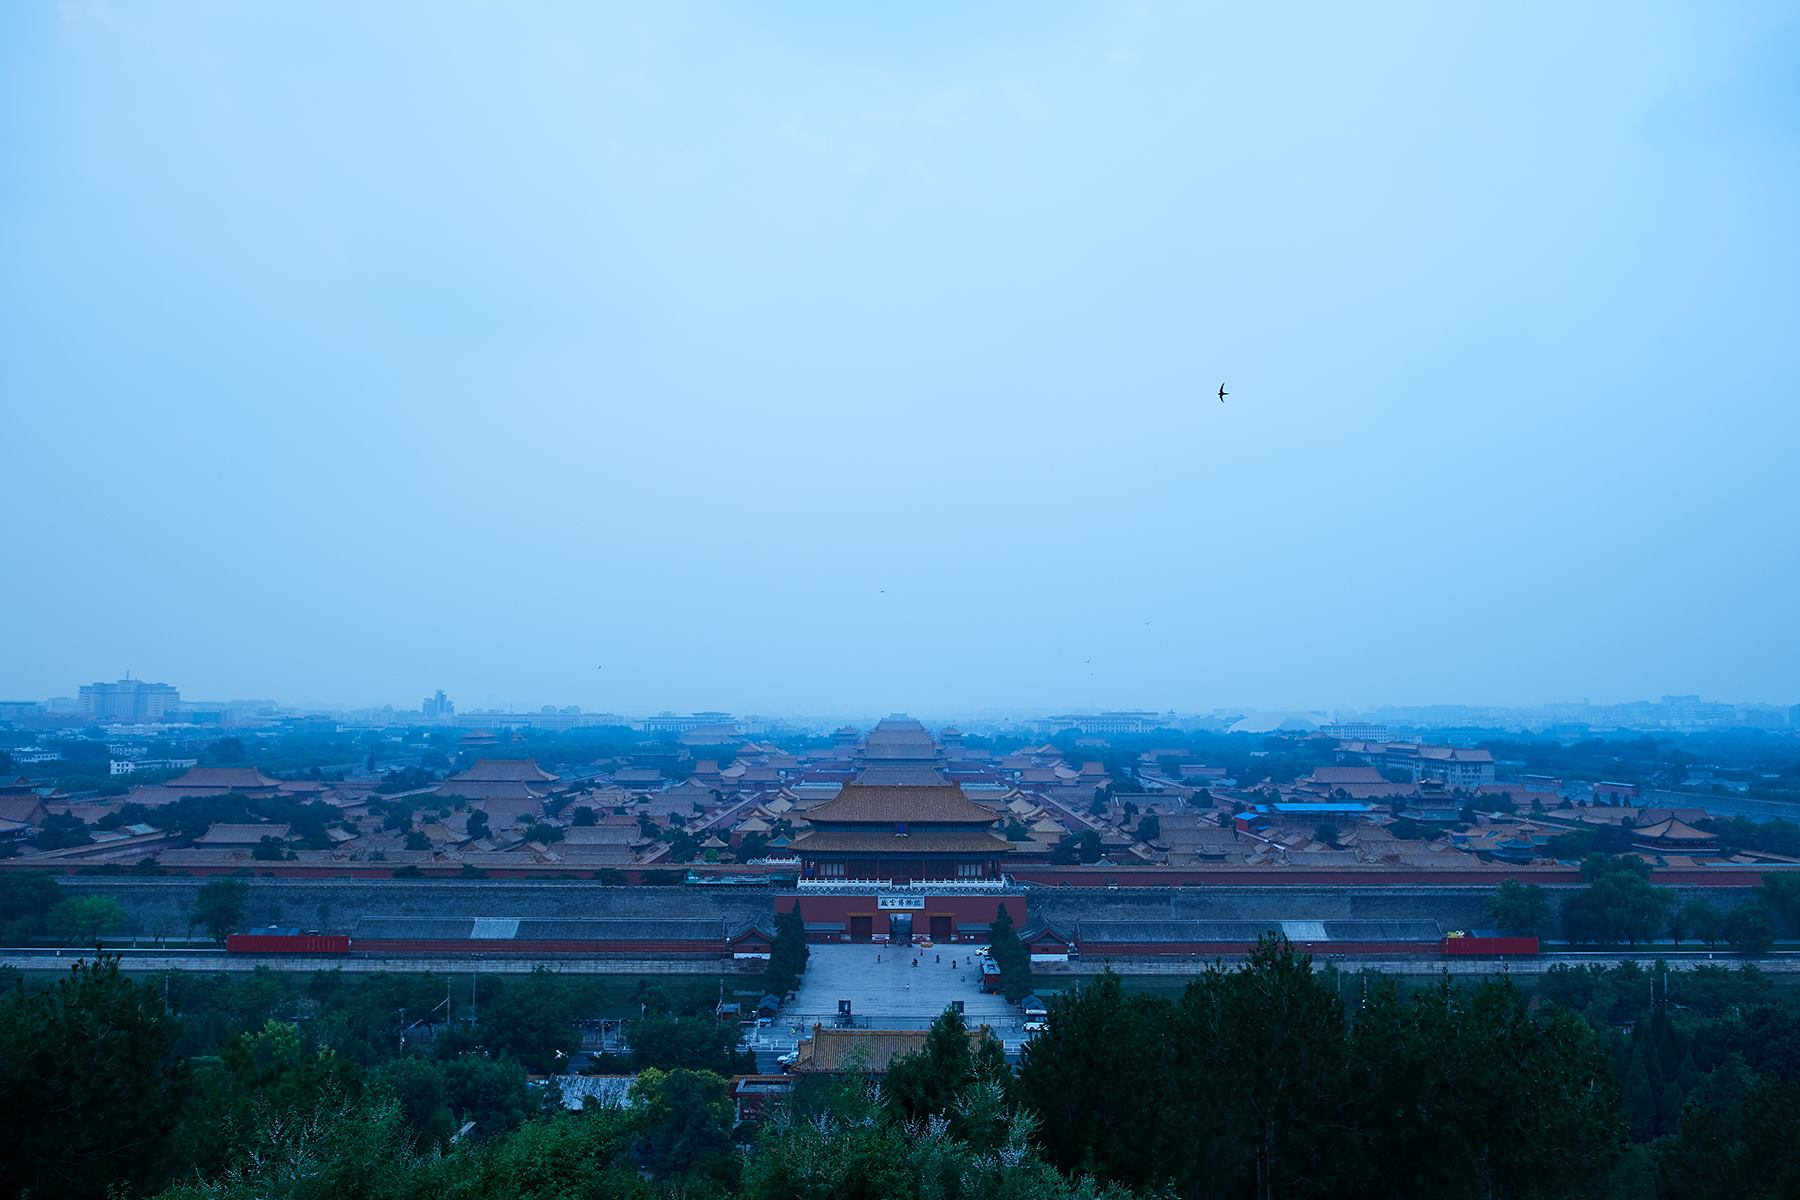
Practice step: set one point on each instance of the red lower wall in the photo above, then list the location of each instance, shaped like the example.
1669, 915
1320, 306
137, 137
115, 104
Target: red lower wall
1092, 951
499, 948
970, 910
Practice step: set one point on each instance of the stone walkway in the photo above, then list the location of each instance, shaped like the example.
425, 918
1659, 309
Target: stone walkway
884, 987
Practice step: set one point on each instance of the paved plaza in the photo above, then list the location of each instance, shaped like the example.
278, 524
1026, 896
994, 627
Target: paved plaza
883, 986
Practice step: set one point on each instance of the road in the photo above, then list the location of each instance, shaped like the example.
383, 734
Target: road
1778, 964
892, 989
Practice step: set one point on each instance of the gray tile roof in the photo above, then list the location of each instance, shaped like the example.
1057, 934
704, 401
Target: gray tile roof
636, 929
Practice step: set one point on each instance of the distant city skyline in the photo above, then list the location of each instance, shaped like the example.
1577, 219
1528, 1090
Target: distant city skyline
136, 700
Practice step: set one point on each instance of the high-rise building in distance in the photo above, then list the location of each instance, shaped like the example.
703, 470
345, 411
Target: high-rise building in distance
127, 700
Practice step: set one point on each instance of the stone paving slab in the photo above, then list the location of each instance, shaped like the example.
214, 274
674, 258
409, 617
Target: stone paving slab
882, 984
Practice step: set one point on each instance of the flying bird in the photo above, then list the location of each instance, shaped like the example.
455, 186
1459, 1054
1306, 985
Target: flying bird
1222, 393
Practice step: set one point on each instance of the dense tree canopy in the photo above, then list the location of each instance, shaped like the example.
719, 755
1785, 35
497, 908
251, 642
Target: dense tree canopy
1618, 905
84, 920
934, 1080
1272, 1079
26, 898
788, 954
89, 1086
219, 906
1254, 1083
1520, 909
1010, 955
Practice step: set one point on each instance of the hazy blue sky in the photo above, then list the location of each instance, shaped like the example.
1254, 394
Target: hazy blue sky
814, 357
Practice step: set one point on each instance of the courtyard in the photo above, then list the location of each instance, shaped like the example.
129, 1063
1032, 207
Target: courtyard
886, 991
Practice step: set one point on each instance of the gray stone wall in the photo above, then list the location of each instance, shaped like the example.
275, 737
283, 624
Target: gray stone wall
1451, 907
160, 907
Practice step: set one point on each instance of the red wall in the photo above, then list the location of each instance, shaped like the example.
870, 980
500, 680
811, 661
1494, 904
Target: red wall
979, 910
1090, 951
1310, 877
1487, 947
458, 946
277, 943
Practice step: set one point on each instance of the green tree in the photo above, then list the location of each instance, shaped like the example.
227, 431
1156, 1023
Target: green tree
91, 1087
1705, 920
478, 825
1596, 865
564, 1157
1094, 1074
1782, 894
533, 1019
833, 1159
84, 920
271, 1068
1465, 1093
437, 1096
684, 1120
226, 750
1680, 924
219, 907
1150, 828
698, 1043
1270, 1034
1748, 929
933, 1080
1520, 909
60, 831
340, 1148
1010, 955
26, 898
1617, 905
368, 1023
1741, 1150
787, 954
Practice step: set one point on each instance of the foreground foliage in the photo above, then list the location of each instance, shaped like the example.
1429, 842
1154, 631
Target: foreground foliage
1259, 1081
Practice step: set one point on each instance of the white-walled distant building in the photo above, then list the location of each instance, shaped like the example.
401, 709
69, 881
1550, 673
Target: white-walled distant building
1356, 731
1102, 724
669, 722
126, 766
127, 700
